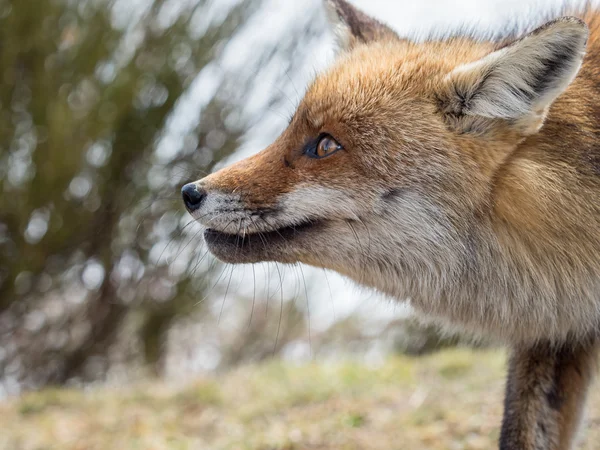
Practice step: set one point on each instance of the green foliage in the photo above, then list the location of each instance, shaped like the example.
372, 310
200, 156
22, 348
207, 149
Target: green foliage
88, 197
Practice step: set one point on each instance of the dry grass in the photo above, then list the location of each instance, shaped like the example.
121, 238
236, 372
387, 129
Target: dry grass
451, 400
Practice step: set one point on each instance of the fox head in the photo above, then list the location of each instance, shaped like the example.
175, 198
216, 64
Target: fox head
387, 166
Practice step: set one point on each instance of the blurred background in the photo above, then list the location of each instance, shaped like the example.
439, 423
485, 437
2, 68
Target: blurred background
107, 107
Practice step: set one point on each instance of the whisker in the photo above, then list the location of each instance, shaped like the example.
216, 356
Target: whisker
330, 295
268, 289
218, 279
298, 96
280, 311
362, 251
225, 296
213, 286
197, 264
268, 279
232, 269
253, 296
186, 246
307, 310
171, 241
206, 253
278, 113
143, 211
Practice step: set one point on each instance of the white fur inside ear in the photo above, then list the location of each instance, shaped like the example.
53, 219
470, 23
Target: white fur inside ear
524, 78
341, 30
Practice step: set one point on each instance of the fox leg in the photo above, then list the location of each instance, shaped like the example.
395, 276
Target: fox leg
545, 396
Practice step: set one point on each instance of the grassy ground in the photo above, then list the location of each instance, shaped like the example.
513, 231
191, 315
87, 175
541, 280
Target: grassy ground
449, 401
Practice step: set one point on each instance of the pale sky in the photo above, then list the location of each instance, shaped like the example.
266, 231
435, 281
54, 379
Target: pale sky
411, 16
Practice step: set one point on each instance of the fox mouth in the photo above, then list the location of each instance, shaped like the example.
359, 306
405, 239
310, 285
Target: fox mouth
274, 245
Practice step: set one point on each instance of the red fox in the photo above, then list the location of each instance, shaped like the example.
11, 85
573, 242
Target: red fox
461, 174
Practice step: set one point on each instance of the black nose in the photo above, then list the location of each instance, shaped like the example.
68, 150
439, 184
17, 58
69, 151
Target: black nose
192, 197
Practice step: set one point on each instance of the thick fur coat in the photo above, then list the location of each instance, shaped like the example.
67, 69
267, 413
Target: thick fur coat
460, 174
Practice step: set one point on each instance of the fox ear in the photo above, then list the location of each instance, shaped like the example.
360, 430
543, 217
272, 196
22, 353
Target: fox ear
517, 83
352, 26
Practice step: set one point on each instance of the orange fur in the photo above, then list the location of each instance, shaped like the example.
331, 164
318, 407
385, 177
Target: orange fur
469, 183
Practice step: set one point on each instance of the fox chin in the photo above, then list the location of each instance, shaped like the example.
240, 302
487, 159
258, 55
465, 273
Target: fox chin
460, 173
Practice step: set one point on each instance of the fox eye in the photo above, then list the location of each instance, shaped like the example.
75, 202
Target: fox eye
326, 146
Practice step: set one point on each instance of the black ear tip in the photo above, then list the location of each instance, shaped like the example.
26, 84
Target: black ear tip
569, 24
568, 34
337, 2
578, 26
341, 7
574, 20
